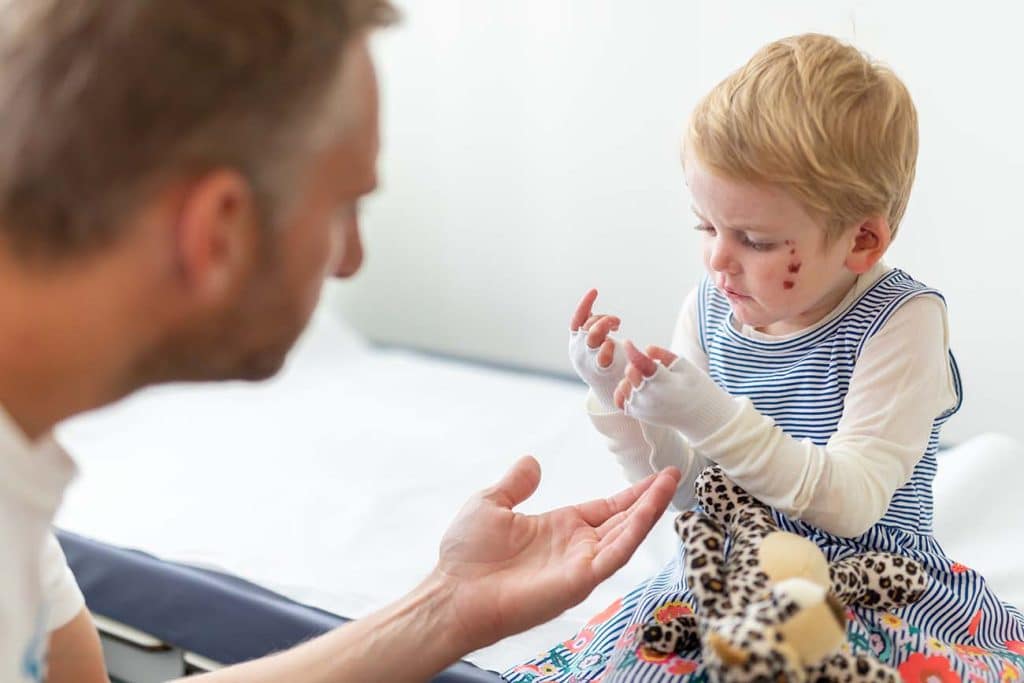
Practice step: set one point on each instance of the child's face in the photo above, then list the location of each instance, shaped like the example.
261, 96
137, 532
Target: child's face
766, 253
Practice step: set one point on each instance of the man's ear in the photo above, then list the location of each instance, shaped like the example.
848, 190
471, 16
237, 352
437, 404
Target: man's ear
871, 240
215, 233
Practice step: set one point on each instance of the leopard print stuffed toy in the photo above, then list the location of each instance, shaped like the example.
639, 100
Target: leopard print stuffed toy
772, 608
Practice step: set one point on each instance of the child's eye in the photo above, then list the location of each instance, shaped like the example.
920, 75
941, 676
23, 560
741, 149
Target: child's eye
709, 229
757, 246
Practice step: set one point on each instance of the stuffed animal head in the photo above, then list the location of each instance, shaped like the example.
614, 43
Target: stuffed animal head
777, 639
742, 650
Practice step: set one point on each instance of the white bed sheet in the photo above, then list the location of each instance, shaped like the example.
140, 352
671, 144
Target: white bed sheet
979, 519
333, 483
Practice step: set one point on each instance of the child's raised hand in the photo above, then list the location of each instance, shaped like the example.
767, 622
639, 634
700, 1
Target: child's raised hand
596, 357
639, 367
662, 389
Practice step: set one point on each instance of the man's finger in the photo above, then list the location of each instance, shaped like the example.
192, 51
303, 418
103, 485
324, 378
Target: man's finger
518, 484
611, 530
619, 544
642, 363
601, 510
583, 310
614, 553
596, 512
614, 524
611, 524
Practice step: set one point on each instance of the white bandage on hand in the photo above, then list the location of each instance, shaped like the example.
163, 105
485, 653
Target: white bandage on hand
602, 381
681, 396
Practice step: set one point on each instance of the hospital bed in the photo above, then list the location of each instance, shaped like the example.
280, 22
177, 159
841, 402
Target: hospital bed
215, 523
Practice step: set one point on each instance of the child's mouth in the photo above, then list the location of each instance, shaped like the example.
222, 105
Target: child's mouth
732, 293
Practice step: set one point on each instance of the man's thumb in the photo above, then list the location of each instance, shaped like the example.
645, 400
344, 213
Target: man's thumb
518, 484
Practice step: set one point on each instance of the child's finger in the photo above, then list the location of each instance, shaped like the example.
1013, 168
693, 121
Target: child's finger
634, 376
606, 353
622, 393
582, 311
591, 321
641, 362
663, 356
600, 329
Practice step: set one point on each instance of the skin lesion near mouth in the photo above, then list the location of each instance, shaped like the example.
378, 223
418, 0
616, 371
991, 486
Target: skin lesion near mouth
788, 284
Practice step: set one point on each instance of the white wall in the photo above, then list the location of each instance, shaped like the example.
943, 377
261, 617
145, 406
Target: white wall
530, 152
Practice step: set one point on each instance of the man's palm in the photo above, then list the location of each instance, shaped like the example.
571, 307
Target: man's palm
512, 571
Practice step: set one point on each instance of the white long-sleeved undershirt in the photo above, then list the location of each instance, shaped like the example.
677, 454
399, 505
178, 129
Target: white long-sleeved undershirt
902, 381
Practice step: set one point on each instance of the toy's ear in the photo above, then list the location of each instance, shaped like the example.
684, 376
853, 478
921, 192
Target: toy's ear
838, 609
726, 651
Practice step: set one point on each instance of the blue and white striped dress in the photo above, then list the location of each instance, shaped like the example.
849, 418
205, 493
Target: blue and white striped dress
958, 631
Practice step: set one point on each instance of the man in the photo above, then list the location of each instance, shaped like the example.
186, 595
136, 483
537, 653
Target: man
176, 179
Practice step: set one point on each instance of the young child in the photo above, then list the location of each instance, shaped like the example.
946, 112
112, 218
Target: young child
815, 375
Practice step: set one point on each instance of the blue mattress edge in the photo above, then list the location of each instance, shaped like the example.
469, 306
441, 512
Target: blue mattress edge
218, 616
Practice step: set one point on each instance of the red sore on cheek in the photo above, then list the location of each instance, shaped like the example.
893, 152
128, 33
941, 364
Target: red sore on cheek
794, 265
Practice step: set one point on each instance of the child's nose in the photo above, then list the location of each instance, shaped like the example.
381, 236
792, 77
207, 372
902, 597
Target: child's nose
721, 257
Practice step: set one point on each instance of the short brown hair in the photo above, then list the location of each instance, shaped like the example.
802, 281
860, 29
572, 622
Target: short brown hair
820, 119
100, 100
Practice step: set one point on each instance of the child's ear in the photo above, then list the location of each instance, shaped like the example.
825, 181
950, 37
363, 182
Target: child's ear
870, 242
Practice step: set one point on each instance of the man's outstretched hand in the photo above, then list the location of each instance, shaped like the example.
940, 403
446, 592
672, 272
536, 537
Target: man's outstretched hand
505, 571
500, 572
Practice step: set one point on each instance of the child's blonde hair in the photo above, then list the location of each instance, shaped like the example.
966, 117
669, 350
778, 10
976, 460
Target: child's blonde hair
820, 119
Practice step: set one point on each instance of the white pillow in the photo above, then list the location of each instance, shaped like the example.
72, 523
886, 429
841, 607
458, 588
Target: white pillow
978, 517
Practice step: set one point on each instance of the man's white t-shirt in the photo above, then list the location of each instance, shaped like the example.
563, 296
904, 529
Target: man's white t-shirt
38, 593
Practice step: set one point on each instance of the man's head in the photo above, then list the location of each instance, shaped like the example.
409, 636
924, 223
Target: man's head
220, 146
